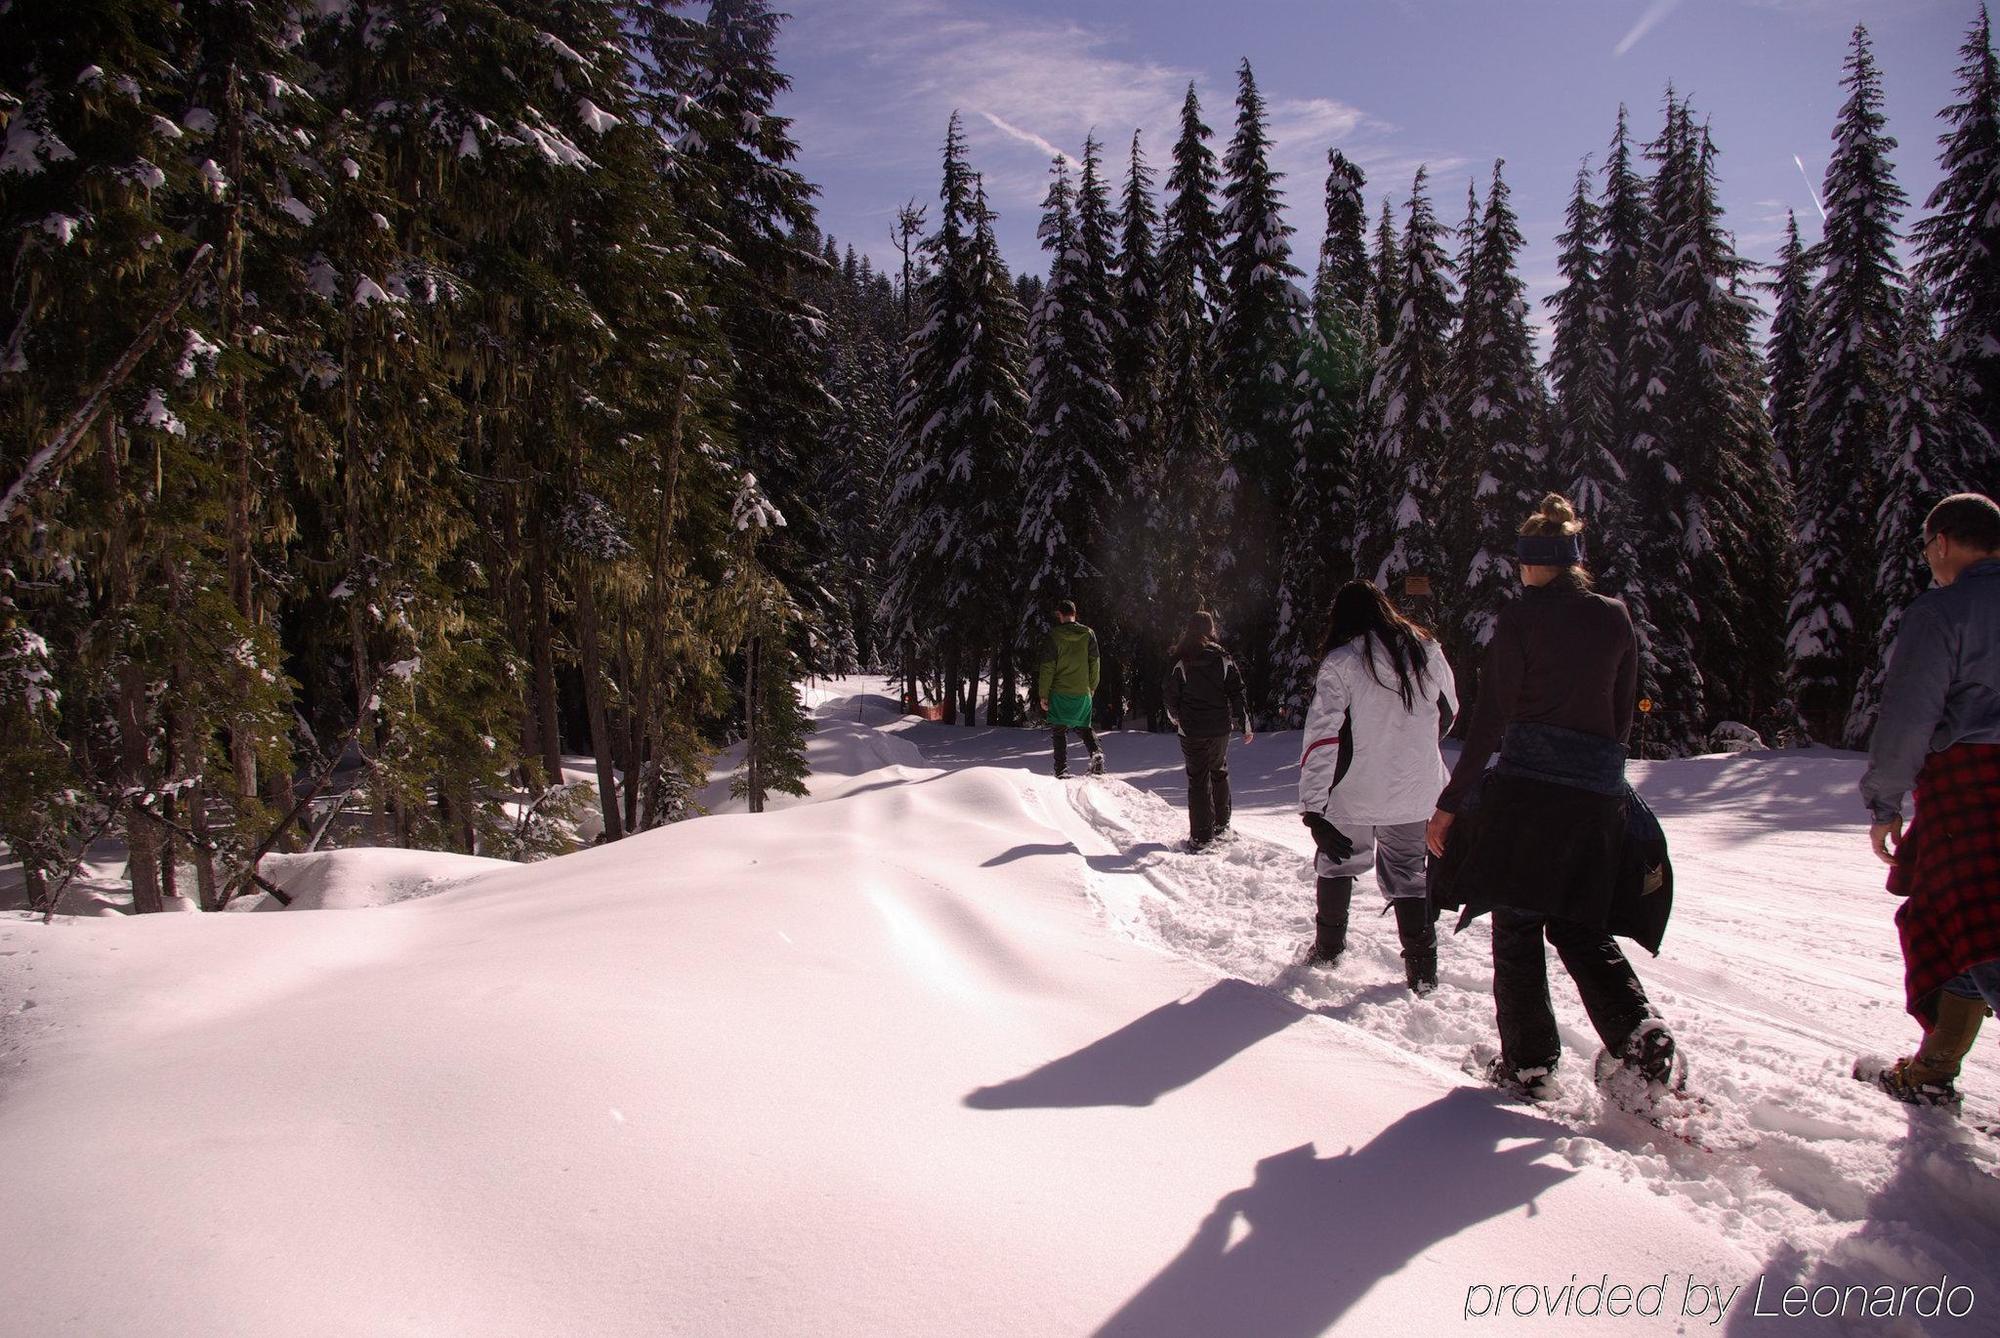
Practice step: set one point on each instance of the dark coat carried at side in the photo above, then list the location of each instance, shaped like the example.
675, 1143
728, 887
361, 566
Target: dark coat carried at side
1554, 830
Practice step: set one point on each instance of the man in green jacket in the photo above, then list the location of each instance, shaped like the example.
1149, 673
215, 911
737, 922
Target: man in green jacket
1064, 681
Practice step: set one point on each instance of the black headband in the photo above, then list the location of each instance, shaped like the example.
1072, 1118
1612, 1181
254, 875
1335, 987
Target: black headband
1549, 550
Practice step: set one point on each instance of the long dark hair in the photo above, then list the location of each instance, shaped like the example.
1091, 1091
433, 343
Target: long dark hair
1199, 632
1361, 610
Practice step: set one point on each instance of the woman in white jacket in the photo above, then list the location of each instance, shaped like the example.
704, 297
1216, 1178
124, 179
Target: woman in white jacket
1371, 772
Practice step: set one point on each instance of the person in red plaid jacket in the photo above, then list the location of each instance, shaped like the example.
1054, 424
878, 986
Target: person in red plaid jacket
1939, 732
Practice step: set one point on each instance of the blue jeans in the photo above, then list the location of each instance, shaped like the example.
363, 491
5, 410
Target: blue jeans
1981, 982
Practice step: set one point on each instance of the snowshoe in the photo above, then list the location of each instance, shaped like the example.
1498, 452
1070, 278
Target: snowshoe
1537, 1085
1896, 1080
1648, 1081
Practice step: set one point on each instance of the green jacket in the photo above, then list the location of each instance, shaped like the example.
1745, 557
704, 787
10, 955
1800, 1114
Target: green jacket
1068, 665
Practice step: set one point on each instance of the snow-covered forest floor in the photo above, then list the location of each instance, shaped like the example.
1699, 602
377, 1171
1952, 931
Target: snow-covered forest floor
954, 1047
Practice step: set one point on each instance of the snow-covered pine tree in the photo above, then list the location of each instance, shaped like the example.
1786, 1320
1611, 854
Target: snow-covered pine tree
1135, 364
1921, 439
1329, 383
111, 553
1833, 616
764, 218
994, 437
1256, 346
1385, 289
1729, 530
1958, 247
921, 508
1626, 286
1499, 415
1408, 399
1179, 574
1370, 505
1076, 429
1582, 464
1787, 349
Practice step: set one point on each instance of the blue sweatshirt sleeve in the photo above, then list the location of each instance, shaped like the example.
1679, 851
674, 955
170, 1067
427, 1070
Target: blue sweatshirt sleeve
1913, 701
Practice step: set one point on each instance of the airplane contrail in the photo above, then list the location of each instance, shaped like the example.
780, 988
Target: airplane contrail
1647, 22
1809, 187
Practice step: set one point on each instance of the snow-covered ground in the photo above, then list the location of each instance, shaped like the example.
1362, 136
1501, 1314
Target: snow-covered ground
953, 1047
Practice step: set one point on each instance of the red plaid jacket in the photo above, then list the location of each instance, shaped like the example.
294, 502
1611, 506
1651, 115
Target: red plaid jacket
1949, 868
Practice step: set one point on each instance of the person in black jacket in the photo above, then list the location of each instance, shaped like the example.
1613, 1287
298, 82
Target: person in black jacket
1547, 848
1204, 697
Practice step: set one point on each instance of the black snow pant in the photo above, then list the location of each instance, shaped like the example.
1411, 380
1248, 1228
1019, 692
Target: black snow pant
1416, 924
1208, 786
1061, 734
1611, 991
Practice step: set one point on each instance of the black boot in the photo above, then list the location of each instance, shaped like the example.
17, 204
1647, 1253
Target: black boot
1330, 924
1416, 926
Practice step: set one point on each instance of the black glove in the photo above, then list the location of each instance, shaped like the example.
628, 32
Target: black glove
1335, 844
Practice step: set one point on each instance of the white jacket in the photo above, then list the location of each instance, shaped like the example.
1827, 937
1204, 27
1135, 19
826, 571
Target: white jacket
1395, 772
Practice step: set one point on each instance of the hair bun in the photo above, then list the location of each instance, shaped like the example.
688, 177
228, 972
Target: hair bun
1555, 516
1556, 510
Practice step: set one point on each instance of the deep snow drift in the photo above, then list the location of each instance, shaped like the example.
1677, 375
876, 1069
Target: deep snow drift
954, 1047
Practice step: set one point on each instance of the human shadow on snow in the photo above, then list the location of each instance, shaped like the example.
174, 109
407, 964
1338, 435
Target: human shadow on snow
1936, 1218
1319, 1232
1143, 1060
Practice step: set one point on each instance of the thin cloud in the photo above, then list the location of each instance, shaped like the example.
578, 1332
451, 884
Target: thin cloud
1647, 22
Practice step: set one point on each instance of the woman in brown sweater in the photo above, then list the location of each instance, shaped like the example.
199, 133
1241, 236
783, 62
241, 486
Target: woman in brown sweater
1544, 852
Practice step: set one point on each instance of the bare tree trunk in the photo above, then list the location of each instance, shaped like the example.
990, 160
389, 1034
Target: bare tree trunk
751, 687
541, 635
142, 838
235, 412
593, 696
949, 696
632, 740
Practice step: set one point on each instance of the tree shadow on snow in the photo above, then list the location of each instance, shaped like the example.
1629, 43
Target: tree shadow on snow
1319, 1232
1168, 1048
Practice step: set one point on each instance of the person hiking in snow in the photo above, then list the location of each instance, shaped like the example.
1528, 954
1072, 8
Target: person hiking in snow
1939, 732
1545, 844
1064, 681
1204, 699
1371, 771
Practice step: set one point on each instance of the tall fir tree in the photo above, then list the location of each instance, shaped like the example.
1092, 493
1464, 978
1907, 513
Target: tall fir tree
1256, 341
1582, 464
1958, 246
1180, 573
1136, 368
1410, 407
1499, 413
1920, 447
1329, 381
1076, 428
1788, 348
1728, 529
1833, 616
1626, 290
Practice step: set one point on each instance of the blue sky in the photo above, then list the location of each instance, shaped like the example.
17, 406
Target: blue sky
1393, 83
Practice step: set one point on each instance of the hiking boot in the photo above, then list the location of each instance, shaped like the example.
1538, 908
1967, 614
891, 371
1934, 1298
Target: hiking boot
1416, 927
1097, 764
1908, 1080
1326, 951
1420, 972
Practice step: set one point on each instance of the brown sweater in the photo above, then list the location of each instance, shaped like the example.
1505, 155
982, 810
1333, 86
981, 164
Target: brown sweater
1560, 655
